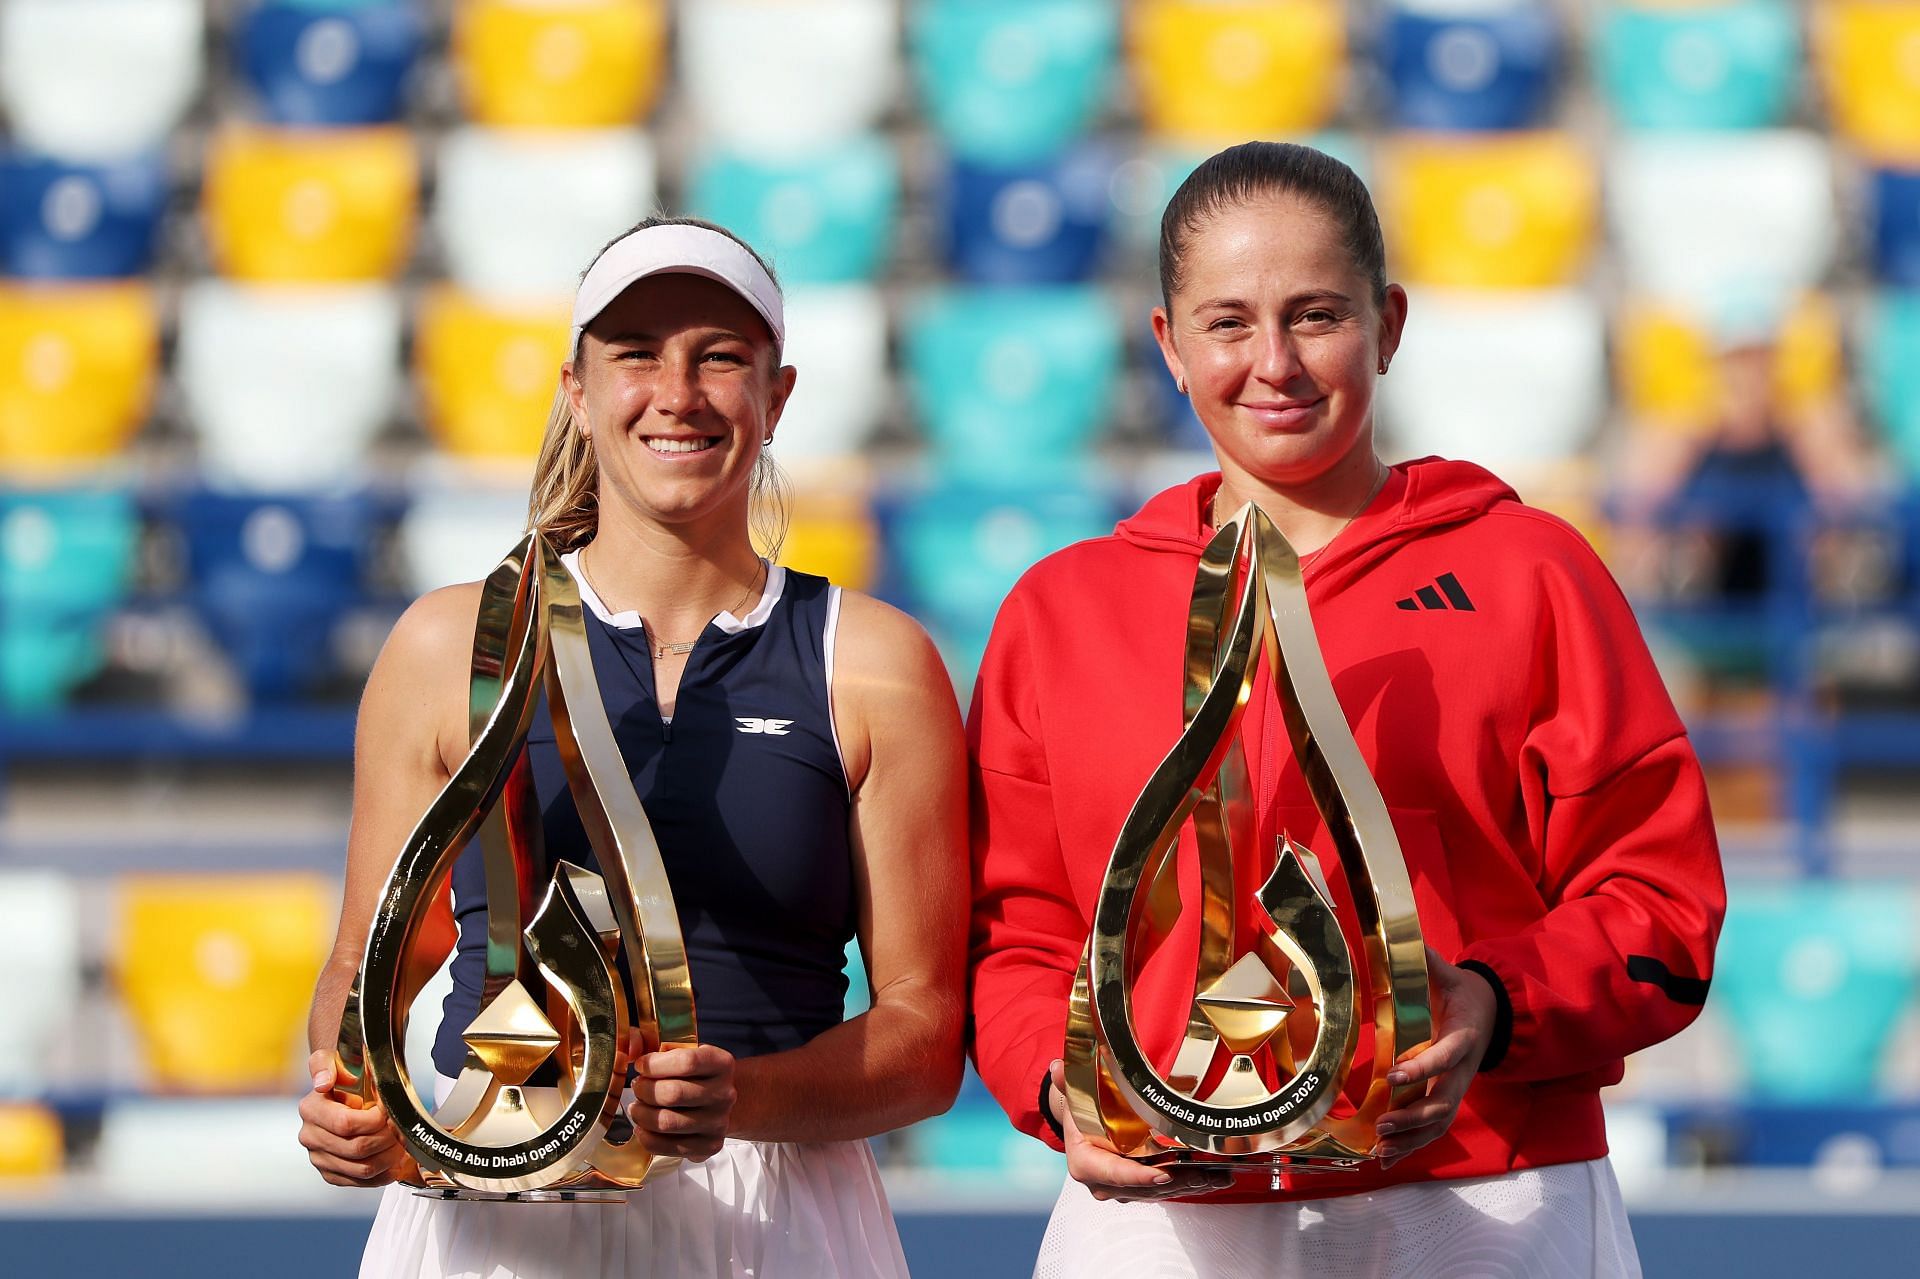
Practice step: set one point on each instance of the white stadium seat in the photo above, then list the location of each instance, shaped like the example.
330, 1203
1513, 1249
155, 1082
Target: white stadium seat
1514, 380
1695, 214
285, 387
244, 1150
462, 520
40, 949
97, 79
521, 213
769, 75
837, 339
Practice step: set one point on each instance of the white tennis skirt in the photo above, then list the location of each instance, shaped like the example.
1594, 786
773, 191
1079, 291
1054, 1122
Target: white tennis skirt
756, 1210
1563, 1222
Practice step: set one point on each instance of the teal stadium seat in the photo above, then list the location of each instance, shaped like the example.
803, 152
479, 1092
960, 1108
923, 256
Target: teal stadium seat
974, 1140
66, 559
1714, 66
1010, 82
1891, 363
823, 218
1811, 976
1013, 381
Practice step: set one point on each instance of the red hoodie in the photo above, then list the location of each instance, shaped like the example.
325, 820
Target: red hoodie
1548, 803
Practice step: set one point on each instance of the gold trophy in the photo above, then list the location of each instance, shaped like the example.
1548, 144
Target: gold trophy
554, 989
1269, 1050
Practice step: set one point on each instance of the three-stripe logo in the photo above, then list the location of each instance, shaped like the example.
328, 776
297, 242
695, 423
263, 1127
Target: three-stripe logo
1446, 593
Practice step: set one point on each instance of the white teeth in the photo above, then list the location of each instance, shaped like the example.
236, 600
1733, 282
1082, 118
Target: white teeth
660, 445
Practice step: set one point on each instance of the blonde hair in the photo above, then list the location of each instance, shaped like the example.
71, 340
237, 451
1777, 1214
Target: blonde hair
565, 503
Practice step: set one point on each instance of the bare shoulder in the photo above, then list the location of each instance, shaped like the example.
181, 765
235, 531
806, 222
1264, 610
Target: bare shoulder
891, 693
418, 687
879, 644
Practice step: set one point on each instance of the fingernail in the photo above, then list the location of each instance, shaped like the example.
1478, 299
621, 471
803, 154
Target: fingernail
1161, 1179
1385, 1128
1396, 1077
323, 1080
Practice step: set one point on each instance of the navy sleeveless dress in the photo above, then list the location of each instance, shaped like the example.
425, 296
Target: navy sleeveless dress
748, 797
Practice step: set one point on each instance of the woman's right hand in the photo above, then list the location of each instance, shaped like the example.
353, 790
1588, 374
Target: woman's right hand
349, 1146
1107, 1175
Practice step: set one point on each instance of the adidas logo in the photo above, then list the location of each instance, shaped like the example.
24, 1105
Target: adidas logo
1445, 593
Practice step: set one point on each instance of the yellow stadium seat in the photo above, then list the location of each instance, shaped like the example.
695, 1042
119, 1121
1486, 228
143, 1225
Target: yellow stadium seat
488, 372
1211, 71
1666, 368
1869, 55
77, 368
1509, 211
833, 535
559, 64
31, 1145
216, 972
287, 205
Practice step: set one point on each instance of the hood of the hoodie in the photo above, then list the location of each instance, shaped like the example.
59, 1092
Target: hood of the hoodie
1419, 496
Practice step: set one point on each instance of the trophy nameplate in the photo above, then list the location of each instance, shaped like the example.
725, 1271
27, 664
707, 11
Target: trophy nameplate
1268, 1054
554, 991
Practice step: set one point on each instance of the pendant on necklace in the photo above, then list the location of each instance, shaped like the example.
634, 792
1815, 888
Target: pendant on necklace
662, 650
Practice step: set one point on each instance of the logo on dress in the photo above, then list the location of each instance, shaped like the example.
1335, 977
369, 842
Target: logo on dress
770, 727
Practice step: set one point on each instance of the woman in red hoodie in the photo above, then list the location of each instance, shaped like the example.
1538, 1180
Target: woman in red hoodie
1548, 803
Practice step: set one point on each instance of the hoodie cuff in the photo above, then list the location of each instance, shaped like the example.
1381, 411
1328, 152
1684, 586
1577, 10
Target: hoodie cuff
1502, 1016
1046, 1111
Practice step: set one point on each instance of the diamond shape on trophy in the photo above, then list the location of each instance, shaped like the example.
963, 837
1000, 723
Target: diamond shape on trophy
1246, 1005
511, 1036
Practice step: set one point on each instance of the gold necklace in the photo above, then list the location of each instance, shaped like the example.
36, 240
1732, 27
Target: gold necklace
671, 648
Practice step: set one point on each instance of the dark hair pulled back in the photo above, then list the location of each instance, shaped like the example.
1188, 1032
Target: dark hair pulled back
1257, 169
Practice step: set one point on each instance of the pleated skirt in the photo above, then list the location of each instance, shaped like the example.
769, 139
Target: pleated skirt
1565, 1221
756, 1210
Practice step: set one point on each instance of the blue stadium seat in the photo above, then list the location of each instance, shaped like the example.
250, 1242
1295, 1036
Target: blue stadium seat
332, 65
65, 220
1470, 66
1890, 362
66, 560
1712, 66
824, 218
1014, 81
958, 548
98, 79
1896, 226
271, 577
1041, 223
1811, 977
1013, 382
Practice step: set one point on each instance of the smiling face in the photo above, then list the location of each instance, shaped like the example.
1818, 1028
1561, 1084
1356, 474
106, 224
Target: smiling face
678, 382
1275, 331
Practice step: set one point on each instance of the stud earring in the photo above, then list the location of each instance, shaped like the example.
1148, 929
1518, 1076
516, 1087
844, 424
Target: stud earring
1383, 366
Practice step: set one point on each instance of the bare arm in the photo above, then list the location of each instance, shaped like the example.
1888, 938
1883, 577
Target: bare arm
411, 716
901, 1060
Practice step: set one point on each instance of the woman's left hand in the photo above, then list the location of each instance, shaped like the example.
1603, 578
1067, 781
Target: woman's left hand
1464, 1009
683, 1101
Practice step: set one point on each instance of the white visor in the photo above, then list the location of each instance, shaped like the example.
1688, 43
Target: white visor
689, 250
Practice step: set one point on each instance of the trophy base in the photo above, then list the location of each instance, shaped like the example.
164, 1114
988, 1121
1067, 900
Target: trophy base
1268, 1166
547, 1196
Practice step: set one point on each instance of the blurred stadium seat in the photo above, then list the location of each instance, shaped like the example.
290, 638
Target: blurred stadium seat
66, 561
1665, 357
77, 370
457, 528
1890, 366
1009, 82
287, 387
1028, 224
98, 79
1734, 65
272, 577
834, 535
487, 372
65, 220
1697, 214
826, 217
332, 66
1896, 226
973, 1140
837, 339
1220, 71
310, 205
1507, 211
1470, 64
1012, 382
1514, 380
40, 945
1812, 977
32, 1142
243, 1148
521, 214
1871, 74
789, 53
559, 64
